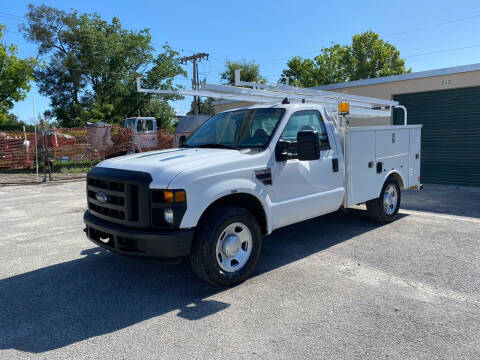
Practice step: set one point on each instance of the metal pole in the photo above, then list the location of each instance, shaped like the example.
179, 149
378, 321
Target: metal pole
404, 111
193, 58
44, 151
194, 87
133, 138
35, 130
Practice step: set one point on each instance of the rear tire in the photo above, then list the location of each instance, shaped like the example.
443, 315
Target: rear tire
385, 208
227, 246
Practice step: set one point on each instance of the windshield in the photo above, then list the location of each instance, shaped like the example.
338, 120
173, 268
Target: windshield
250, 128
129, 123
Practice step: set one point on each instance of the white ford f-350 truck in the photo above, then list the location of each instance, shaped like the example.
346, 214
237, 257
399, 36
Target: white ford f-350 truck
240, 176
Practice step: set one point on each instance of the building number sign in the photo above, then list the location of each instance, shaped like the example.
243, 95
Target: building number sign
446, 82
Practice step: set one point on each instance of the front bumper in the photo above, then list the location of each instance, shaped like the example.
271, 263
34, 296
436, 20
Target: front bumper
136, 242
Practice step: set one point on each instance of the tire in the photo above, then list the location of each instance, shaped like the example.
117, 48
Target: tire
390, 197
227, 246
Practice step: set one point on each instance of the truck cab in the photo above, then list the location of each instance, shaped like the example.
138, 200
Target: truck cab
144, 130
243, 174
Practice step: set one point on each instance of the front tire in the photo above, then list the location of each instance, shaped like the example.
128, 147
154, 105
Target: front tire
385, 208
227, 246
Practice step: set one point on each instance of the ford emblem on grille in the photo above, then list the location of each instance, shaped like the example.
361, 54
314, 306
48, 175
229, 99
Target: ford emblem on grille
102, 197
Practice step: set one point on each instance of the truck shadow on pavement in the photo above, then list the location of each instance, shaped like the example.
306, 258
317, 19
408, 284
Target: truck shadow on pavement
100, 293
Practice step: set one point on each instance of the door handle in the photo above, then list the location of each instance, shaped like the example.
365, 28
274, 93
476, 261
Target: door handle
379, 167
335, 165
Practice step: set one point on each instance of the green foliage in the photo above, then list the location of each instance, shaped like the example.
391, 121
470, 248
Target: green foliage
15, 77
10, 122
250, 72
72, 166
90, 73
367, 57
206, 107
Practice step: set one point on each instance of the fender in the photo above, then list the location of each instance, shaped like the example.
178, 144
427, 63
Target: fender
221, 189
397, 176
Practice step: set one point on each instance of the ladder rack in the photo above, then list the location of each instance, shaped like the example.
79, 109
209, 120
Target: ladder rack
275, 93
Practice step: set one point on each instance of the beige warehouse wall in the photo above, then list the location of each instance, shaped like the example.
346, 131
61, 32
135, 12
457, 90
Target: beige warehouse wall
444, 82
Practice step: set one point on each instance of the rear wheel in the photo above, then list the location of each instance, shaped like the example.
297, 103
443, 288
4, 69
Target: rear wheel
227, 246
385, 208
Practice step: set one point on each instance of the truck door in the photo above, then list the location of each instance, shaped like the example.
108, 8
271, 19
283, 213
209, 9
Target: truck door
306, 189
151, 132
145, 136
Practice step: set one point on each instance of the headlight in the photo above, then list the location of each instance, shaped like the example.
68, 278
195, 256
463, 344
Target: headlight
168, 216
168, 207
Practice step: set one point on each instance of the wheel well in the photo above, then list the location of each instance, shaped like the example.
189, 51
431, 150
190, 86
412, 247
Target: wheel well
245, 201
396, 176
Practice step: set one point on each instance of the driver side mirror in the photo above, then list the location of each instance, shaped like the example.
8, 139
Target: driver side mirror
308, 145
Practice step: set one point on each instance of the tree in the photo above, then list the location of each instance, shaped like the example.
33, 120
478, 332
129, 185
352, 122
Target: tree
206, 107
15, 77
250, 72
367, 57
92, 65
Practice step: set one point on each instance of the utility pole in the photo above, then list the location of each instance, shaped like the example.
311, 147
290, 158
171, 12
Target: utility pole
195, 82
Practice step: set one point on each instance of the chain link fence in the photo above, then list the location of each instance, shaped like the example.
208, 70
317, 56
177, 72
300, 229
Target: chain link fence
63, 154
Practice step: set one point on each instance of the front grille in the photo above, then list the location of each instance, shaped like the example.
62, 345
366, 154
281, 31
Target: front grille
120, 196
106, 185
117, 214
112, 199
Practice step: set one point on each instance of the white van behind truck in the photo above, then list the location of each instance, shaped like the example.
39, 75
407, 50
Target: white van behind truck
249, 171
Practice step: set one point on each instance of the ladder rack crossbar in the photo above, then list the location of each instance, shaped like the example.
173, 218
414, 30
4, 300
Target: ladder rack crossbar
313, 92
256, 95
311, 97
187, 92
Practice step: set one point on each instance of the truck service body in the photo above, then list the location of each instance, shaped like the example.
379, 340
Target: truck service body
214, 201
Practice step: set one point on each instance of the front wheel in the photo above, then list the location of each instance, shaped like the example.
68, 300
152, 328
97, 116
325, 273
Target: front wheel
227, 246
385, 208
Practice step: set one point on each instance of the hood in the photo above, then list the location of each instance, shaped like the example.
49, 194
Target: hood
165, 165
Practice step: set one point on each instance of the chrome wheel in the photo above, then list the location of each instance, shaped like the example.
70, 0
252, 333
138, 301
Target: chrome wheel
234, 247
390, 199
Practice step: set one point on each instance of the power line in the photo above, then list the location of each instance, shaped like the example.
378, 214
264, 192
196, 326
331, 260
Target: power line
387, 35
86, 36
11, 15
195, 85
444, 51
10, 18
96, 43
432, 25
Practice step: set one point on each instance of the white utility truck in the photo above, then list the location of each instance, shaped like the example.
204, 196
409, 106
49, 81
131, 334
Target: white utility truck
246, 172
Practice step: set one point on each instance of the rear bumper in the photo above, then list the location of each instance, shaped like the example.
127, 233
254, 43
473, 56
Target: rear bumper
136, 242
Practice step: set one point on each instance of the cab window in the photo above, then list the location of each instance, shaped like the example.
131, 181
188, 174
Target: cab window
148, 125
306, 120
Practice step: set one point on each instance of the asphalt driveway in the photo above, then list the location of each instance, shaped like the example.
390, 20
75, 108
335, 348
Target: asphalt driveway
335, 287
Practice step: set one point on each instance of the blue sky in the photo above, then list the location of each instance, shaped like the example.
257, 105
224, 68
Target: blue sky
271, 32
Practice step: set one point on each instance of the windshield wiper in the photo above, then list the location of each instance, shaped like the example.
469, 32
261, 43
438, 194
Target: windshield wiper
218, 146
